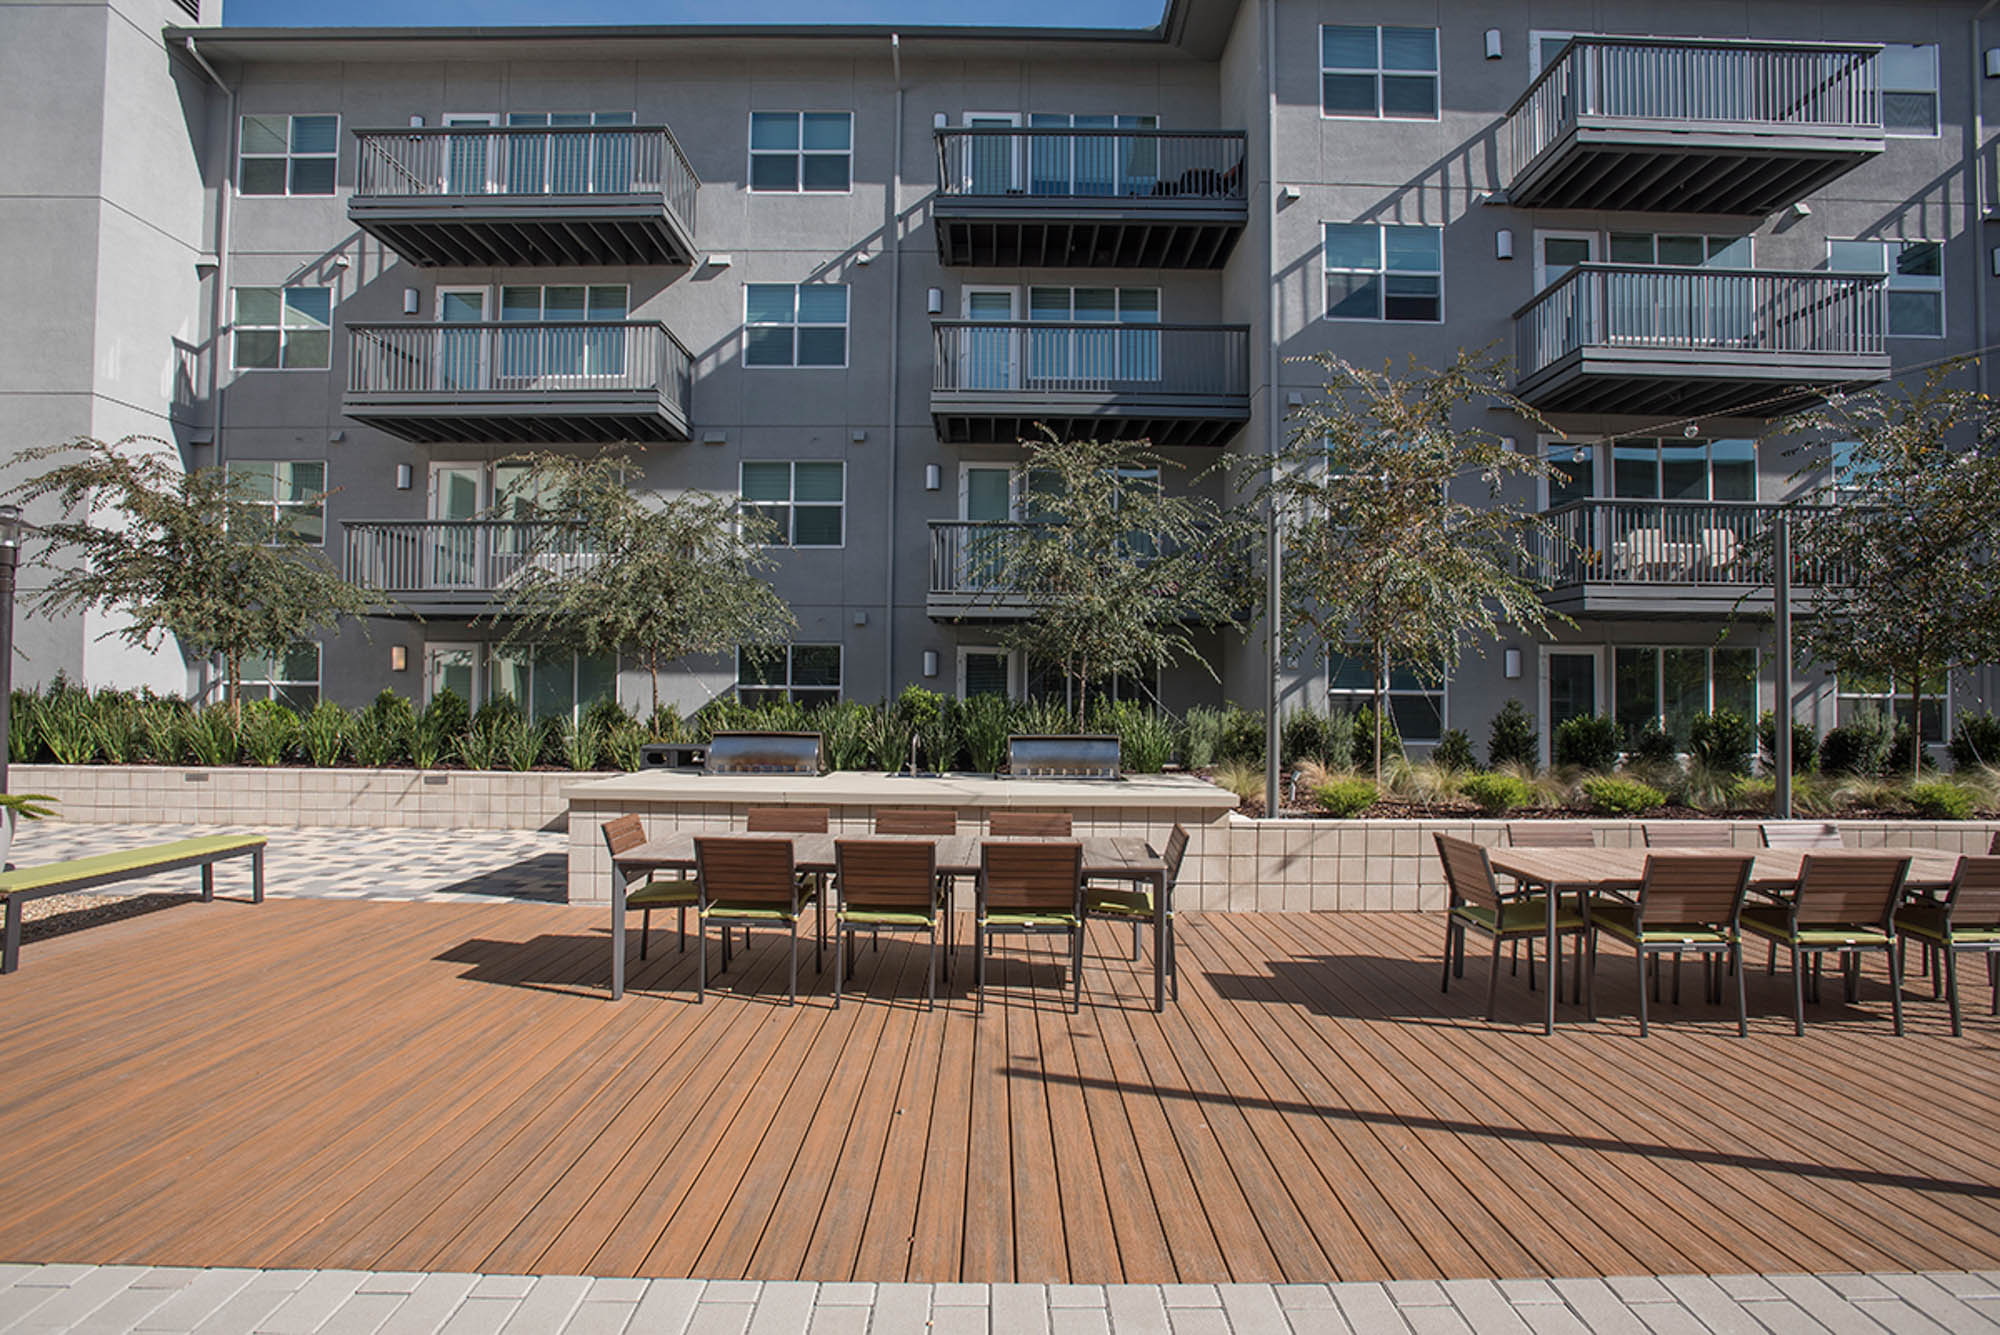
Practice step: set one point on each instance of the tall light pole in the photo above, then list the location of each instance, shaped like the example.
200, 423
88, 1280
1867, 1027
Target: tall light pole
10, 561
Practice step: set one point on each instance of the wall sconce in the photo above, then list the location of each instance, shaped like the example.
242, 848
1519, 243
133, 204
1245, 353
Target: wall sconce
1996, 262
714, 437
403, 477
1993, 62
930, 662
720, 260
1493, 44
341, 262
410, 298
1288, 193
399, 658
934, 301
1503, 243
934, 476
1801, 209
1513, 664
939, 120
416, 122
864, 259
1295, 399
861, 618
857, 436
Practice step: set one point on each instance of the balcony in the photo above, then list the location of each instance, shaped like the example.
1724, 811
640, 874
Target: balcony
524, 196
1608, 338
1172, 384
1663, 558
1662, 125
509, 383
1098, 199
966, 556
453, 567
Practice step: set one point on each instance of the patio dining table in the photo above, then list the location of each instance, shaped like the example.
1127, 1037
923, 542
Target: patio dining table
1105, 858
1774, 873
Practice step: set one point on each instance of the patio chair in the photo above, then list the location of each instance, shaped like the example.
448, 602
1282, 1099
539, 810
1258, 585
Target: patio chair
1843, 905
1802, 834
1477, 902
1685, 903
1690, 834
1034, 889
1132, 902
924, 820
661, 890
796, 820
745, 882
1033, 824
1994, 848
1967, 918
1546, 834
885, 885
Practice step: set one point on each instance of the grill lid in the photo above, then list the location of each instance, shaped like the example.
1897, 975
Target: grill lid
1086, 756
763, 753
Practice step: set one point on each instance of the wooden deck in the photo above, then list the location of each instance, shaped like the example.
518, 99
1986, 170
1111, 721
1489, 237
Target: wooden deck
416, 1086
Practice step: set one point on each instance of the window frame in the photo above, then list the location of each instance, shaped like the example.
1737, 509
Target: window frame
237, 327
290, 157
1709, 681
1353, 698
1935, 92
1379, 71
789, 689
1608, 476
845, 326
278, 506
791, 503
529, 656
271, 684
798, 154
1930, 286
1890, 704
1381, 273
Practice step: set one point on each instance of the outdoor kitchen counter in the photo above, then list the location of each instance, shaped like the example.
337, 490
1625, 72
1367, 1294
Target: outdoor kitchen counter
1145, 805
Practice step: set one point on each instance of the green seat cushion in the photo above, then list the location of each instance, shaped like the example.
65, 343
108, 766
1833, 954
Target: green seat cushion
1101, 903
1028, 918
886, 917
1518, 918
753, 912
1619, 920
1772, 923
669, 892
1928, 922
128, 860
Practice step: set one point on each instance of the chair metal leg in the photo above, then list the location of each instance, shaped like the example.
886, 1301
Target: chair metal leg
1590, 978
645, 926
1798, 994
1450, 945
1076, 967
701, 957
839, 960
1135, 941
683, 930
1493, 982
1742, 992
930, 974
979, 965
1895, 993
1677, 978
793, 998
1951, 988
1531, 963
1643, 958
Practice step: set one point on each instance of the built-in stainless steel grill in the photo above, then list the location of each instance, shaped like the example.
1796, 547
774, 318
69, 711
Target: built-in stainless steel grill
1079, 757
763, 753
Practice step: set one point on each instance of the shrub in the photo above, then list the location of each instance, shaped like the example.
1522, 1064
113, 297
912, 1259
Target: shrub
1044, 715
1621, 797
1901, 742
513, 740
68, 725
667, 725
1975, 741
1304, 737
209, 737
1859, 746
847, 731
1941, 799
1805, 744
445, 717
622, 743
496, 707
115, 724
1496, 794
1201, 736
606, 713
162, 726
1513, 740
324, 734
1242, 737
934, 719
385, 732
1241, 778
984, 722
1722, 740
1145, 739
1652, 745
1453, 751
582, 742
267, 732
1361, 751
1755, 795
477, 748
1588, 741
1346, 797
24, 737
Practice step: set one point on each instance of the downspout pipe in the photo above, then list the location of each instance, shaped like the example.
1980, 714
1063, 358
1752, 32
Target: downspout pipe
893, 249
225, 190
1274, 554
1975, 197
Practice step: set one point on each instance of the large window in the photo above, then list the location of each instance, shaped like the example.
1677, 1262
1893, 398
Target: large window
793, 151
529, 355
788, 324
290, 678
806, 674
294, 490
1675, 468
1415, 704
1390, 73
288, 155
1384, 271
1915, 270
552, 683
1862, 695
1676, 250
804, 500
282, 328
1094, 354
1668, 687
1910, 90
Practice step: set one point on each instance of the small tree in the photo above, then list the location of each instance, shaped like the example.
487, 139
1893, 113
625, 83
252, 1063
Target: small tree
1119, 569
180, 552
1910, 576
656, 576
1398, 529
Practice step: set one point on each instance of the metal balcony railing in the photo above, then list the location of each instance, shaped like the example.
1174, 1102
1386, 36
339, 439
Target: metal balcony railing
1068, 164
470, 161
1671, 544
417, 557
1754, 87
1022, 359
489, 357
969, 556
1731, 312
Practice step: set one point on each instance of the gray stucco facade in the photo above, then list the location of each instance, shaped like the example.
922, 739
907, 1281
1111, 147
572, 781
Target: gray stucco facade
138, 233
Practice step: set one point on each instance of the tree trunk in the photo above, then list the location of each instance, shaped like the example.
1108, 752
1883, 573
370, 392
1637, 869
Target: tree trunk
1381, 703
1082, 690
1916, 727
232, 682
653, 670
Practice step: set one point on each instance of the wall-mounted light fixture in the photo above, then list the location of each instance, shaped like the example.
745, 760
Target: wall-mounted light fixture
861, 618
857, 435
1801, 209
1288, 193
939, 120
1993, 62
930, 662
934, 301
1493, 44
399, 658
341, 262
411, 297
714, 437
1503, 243
1294, 399
1513, 664
416, 122
865, 258
1996, 262
720, 259
934, 476
403, 477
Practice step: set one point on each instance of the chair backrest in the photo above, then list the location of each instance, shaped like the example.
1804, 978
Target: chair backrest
1551, 834
1016, 876
1177, 843
1994, 847
1043, 824
626, 832
736, 870
1690, 834
1468, 871
1849, 887
916, 820
1806, 834
1975, 892
886, 873
1693, 888
786, 820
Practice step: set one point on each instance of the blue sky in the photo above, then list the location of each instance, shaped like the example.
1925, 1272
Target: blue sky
363, 13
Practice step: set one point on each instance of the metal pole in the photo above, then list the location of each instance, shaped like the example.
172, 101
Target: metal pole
1781, 716
1275, 543
10, 558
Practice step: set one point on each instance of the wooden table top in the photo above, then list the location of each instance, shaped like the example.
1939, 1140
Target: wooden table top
1114, 857
1773, 868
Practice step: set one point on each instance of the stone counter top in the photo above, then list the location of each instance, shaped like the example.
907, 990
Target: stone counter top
876, 789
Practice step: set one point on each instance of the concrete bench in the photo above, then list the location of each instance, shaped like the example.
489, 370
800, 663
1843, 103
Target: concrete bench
60, 878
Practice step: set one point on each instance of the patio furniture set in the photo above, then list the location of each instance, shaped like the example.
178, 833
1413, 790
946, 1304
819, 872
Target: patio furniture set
1690, 892
1030, 875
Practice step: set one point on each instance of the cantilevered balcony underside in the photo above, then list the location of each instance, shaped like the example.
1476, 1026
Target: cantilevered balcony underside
1099, 199
480, 196
1633, 339
1002, 382
1660, 125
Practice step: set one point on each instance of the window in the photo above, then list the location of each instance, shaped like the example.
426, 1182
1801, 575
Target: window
1384, 271
1915, 270
1095, 354
805, 501
553, 683
805, 674
282, 328
1391, 73
1668, 687
292, 678
1671, 250
530, 354
1851, 476
1865, 696
1416, 705
793, 151
1910, 90
569, 164
1675, 468
295, 491
288, 155
795, 325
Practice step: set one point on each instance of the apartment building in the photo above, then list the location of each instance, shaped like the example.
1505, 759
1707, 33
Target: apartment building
843, 271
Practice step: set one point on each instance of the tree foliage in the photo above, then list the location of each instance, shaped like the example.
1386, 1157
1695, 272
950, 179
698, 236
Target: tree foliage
655, 576
1122, 565
1401, 529
180, 552
1911, 586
